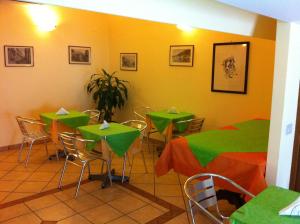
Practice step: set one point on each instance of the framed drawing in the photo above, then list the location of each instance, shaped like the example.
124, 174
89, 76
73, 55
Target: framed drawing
230, 67
18, 56
79, 55
128, 61
181, 55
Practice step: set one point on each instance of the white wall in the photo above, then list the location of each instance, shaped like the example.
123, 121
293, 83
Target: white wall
284, 104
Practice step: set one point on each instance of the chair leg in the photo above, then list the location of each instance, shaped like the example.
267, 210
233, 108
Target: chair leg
80, 178
89, 168
148, 144
124, 167
102, 166
144, 161
20, 150
28, 153
108, 163
131, 166
191, 211
63, 173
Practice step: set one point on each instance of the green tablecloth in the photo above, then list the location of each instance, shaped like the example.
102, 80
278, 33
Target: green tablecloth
118, 136
73, 120
251, 136
162, 119
264, 208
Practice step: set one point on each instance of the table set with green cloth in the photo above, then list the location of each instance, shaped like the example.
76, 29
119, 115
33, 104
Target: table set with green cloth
249, 136
161, 119
73, 120
119, 137
264, 208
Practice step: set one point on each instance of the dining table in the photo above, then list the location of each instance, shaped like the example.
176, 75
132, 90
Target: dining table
118, 139
165, 122
56, 122
265, 207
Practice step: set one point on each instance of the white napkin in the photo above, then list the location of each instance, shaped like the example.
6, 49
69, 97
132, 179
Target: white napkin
172, 110
104, 125
292, 209
62, 111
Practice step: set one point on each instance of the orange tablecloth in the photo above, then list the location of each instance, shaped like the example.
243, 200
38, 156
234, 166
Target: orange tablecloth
246, 169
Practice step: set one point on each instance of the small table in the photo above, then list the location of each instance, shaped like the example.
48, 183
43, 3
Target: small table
164, 122
264, 208
73, 120
119, 138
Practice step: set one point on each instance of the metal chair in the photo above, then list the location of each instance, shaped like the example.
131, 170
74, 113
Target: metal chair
141, 126
76, 147
193, 126
95, 116
32, 130
200, 190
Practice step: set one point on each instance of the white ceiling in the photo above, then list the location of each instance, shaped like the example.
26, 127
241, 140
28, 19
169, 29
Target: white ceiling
285, 10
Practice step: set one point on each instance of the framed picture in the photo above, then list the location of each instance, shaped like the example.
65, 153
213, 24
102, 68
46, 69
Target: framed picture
230, 67
79, 55
18, 56
128, 61
181, 55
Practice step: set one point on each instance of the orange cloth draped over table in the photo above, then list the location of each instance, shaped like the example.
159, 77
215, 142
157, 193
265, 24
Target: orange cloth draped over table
247, 169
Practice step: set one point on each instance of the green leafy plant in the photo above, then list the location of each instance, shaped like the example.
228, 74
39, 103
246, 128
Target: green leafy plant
109, 92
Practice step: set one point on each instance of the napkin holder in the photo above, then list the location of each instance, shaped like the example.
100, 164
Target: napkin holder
292, 209
62, 111
172, 110
104, 125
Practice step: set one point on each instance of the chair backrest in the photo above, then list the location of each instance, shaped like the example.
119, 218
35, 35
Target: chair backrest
72, 144
140, 112
138, 124
95, 116
31, 127
193, 125
200, 190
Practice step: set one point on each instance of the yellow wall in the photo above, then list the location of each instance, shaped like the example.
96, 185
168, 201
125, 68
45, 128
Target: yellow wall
52, 82
161, 86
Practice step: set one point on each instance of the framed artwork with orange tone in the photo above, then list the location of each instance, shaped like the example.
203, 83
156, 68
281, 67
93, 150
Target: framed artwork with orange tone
79, 55
181, 55
128, 61
230, 67
18, 56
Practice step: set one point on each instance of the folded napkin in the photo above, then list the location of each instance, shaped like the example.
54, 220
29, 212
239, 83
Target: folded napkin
292, 209
104, 125
172, 110
62, 111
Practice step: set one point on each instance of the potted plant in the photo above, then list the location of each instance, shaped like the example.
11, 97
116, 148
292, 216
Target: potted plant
109, 92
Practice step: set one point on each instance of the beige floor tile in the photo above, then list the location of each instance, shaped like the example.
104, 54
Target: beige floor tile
181, 219
16, 175
2, 173
68, 194
3, 195
13, 211
92, 186
76, 219
145, 214
28, 218
15, 196
123, 220
127, 204
50, 167
50, 186
8, 185
146, 187
101, 214
41, 176
109, 194
84, 202
56, 212
30, 167
5, 166
42, 202
167, 179
175, 200
142, 178
167, 190
31, 186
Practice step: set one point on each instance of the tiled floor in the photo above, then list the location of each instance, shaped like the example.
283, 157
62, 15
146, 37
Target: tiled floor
30, 195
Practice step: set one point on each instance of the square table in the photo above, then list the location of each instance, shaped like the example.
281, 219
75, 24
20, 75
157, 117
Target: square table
264, 208
72, 120
164, 122
118, 138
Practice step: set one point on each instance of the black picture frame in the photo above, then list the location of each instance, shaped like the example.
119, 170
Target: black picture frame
230, 67
79, 55
181, 55
128, 61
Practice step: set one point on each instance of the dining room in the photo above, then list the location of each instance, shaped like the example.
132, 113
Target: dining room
148, 82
